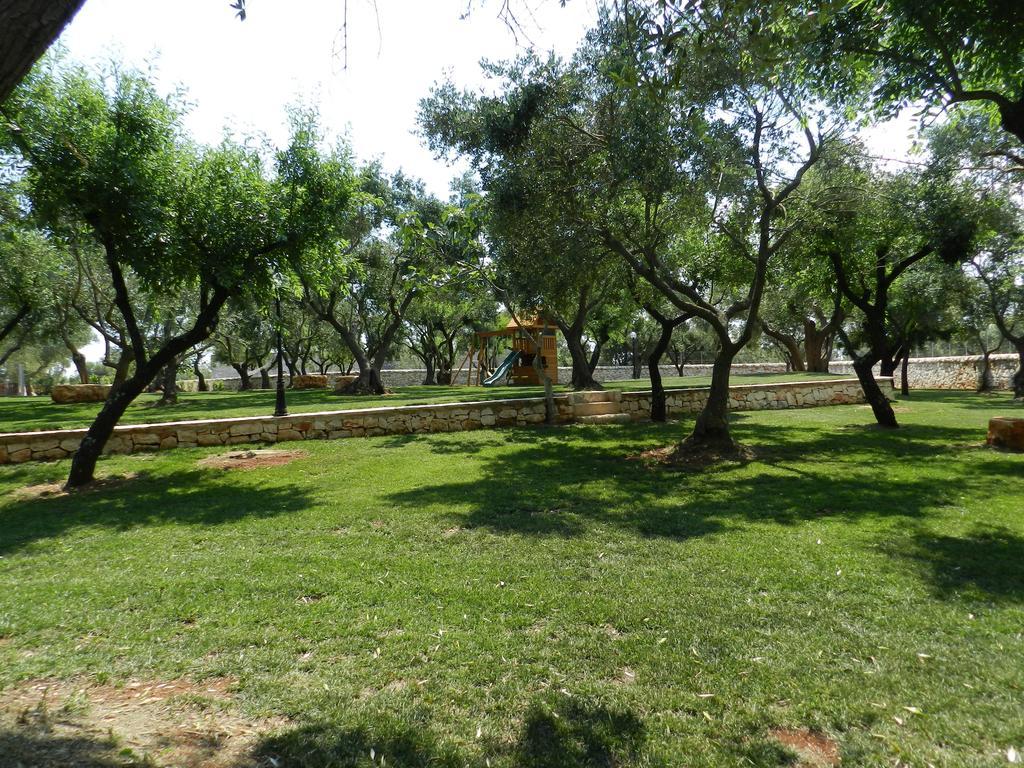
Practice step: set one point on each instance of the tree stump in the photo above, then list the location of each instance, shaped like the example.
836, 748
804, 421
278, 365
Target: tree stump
1006, 432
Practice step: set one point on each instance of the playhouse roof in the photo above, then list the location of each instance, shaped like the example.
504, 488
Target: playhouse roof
531, 323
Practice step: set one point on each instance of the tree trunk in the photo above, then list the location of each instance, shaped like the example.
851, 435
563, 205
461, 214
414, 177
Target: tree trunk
582, 374
428, 363
888, 365
794, 358
904, 382
1018, 377
80, 366
879, 403
244, 382
201, 385
711, 429
985, 380
124, 363
27, 29
169, 384
368, 382
264, 378
816, 346
659, 408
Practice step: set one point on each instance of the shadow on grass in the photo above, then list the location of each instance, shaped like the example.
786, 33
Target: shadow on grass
203, 498
563, 482
987, 562
987, 401
43, 748
563, 734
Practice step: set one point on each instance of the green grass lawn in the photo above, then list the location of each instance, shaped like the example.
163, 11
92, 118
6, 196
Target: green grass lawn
40, 413
530, 597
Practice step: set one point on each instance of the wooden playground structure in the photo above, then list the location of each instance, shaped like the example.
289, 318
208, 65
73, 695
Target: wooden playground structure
481, 361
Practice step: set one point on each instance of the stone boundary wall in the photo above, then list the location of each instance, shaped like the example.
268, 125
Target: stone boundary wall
949, 372
923, 373
413, 377
442, 417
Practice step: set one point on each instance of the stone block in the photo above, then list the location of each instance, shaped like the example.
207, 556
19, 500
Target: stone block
70, 444
341, 382
288, 434
17, 457
144, 439
50, 455
1006, 432
79, 393
250, 428
168, 442
309, 381
209, 438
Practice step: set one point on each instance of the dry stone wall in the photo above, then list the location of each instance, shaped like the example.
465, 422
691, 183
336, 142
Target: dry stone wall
950, 372
413, 419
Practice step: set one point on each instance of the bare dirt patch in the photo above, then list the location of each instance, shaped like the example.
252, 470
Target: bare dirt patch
815, 750
56, 490
51, 723
251, 459
687, 457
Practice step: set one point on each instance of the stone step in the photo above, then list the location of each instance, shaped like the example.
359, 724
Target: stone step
605, 418
594, 409
577, 398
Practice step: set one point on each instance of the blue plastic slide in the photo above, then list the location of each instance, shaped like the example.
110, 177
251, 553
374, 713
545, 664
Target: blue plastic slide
502, 370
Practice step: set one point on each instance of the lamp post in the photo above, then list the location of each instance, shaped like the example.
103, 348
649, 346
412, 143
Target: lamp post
280, 408
636, 361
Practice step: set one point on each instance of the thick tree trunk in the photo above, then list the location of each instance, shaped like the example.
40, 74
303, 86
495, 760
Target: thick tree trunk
582, 374
816, 347
169, 385
27, 29
904, 380
264, 378
244, 382
711, 429
887, 365
444, 375
368, 381
879, 403
429, 379
985, 379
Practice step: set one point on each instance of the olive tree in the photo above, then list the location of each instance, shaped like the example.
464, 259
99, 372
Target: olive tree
110, 152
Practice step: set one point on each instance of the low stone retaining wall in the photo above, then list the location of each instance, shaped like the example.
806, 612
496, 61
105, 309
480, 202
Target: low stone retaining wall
757, 397
442, 417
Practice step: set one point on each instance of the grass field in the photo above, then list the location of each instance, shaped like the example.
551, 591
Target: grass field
532, 598
40, 413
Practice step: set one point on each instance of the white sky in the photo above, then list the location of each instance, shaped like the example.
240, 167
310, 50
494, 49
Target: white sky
243, 75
